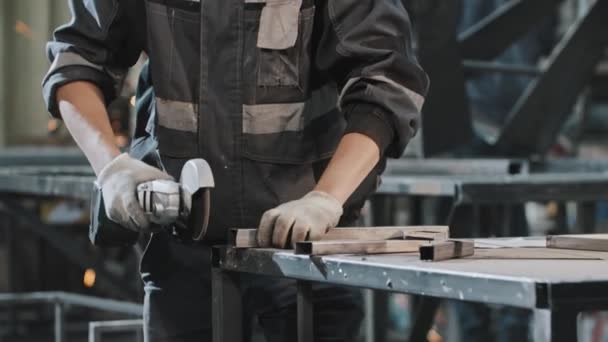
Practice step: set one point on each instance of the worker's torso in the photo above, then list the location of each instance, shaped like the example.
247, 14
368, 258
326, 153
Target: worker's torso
254, 106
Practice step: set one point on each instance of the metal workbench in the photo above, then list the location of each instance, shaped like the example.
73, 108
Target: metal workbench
470, 183
564, 287
467, 182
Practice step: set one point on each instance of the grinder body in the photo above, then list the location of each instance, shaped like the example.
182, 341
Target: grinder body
182, 208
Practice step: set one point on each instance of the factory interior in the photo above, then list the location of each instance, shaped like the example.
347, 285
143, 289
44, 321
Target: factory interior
491, 226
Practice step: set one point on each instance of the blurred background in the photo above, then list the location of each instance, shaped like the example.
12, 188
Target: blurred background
523, 81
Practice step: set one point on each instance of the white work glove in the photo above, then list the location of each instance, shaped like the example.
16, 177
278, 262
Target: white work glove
308, 218
118, 182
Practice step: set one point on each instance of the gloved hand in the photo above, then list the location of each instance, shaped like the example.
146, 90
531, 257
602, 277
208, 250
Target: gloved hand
118, 181
311, 216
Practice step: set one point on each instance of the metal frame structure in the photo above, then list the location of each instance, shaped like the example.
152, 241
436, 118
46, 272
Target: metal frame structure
61, 301
449, 59
471, 183
532, 284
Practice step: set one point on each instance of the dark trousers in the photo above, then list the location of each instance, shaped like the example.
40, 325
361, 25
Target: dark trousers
177, 306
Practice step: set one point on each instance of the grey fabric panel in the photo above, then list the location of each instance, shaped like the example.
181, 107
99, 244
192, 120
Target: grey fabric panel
416, 98
273, 118
65, 59
177, 115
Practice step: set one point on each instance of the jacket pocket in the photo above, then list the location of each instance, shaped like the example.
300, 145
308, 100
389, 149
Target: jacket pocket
278, 51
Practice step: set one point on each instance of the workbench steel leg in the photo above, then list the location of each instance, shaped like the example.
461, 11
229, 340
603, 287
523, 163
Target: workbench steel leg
380, 315
426, 309
227, 309
59, 327
13, 269
585, 217
507, 220
564, 325
305, 312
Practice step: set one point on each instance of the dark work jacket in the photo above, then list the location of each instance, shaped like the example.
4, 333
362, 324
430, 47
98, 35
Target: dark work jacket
262, 89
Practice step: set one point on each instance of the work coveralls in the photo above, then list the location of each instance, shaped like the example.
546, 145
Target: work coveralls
263, 90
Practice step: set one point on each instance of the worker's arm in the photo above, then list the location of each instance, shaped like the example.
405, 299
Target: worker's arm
88, 56
84, 112
356, 156
366, 47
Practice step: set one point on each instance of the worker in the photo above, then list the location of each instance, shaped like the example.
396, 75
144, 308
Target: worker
295, 104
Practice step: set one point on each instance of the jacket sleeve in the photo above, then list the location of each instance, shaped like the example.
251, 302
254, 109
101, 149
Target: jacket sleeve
366, 48
98, 45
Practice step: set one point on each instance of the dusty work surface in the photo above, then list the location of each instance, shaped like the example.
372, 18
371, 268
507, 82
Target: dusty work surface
526, 277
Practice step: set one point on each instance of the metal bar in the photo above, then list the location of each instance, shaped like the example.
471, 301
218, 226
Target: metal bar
67, 182
41, 156
519, 189
359, 247
474, 67
59, 326
246, 238
591, 186
96, 329
452, 249
454, 166
226, 306
528, 129
494, 34
305, 312
71, 299
426, 310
